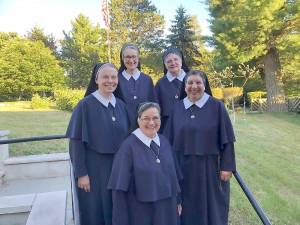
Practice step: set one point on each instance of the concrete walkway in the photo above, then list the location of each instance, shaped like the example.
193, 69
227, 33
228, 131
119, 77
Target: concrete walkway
17, 187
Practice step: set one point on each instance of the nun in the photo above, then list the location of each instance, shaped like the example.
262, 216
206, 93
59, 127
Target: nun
144, 179
170, 88
134, 86
201, 134
97, 127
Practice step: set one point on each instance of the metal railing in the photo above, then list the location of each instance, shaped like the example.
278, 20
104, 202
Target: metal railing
256, 206
258, 209
40, 138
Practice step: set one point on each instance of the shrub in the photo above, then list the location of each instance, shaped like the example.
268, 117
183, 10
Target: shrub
37, 102
217, 93
291, 97
252, 96
232, 93
67, 99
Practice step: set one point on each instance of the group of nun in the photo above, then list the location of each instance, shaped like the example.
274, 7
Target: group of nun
151, 155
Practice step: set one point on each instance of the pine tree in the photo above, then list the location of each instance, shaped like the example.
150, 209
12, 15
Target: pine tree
183, 36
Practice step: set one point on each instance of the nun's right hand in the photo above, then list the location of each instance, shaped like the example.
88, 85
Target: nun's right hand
84, 183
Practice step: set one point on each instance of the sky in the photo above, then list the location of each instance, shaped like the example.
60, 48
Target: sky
54, 16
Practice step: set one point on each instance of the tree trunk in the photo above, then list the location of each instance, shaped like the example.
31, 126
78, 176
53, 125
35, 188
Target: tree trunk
273, 77
233, 109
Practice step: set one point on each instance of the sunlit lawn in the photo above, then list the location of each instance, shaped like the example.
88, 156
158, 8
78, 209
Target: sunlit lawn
267, 150
21, 121
268, 158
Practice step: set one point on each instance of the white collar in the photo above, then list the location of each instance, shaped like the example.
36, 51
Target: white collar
180, 77
104, 100
200, 103
135, 76
146, 140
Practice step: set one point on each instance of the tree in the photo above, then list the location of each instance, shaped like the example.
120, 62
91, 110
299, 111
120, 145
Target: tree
37, 34
186, 36
137, 22
254, 30
290, 61
230, 84
203, 60
81, 49
26, 68
6, 36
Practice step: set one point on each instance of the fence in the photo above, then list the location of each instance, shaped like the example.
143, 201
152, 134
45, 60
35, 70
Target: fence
261, 104
294, 104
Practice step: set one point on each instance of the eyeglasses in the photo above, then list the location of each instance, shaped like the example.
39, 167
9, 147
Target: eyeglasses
128, 57
155, 119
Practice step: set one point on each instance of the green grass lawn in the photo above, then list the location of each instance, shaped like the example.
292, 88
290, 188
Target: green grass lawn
267, 151
268, 158
22, 121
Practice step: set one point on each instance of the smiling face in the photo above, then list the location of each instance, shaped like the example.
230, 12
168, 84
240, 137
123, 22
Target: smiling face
194, 87
131, 59
107, 80
173, 64
149, 122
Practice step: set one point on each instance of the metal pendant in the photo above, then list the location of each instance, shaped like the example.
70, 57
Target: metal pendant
157, 160
113, 118
192, 116
176, 96
134, 97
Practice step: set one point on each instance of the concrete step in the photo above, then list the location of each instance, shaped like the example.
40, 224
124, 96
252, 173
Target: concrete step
30, 186
48, 209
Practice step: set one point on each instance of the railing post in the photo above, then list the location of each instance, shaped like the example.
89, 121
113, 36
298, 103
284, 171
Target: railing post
3, 154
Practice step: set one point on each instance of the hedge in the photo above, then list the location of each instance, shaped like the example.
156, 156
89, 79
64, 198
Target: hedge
67, 99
